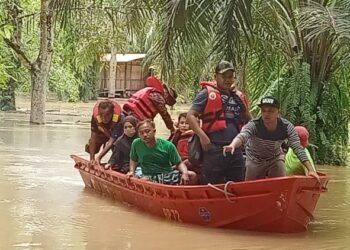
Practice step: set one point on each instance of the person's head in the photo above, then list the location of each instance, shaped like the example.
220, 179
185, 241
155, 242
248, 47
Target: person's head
182, 123
151, 71
270, 107
225, 75
303, 135
170, 95
130, 124
146, 130
105, 110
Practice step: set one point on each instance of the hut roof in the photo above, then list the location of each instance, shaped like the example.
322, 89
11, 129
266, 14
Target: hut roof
122, 57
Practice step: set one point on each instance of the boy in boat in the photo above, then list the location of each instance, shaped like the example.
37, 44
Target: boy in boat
293, 164
106, 127
120, 158
157, 157
223, 111
263, 138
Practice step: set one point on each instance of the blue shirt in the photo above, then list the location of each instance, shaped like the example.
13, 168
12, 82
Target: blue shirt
233, 109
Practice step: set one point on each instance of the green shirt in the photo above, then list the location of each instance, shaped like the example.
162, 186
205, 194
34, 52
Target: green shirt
293, 164
156, 160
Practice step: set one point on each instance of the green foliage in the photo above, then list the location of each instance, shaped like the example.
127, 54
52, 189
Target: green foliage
333, 117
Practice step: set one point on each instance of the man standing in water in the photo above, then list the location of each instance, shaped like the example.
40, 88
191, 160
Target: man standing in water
106, 127
263, 138
222, 111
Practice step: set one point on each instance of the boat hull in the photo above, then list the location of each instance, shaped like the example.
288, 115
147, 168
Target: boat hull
283, 204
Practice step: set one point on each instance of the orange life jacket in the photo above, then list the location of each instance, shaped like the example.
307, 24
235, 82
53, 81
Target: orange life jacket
141, 105
182, 144
116, 112
213, 117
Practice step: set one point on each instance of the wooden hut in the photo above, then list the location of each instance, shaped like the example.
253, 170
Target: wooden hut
129, 75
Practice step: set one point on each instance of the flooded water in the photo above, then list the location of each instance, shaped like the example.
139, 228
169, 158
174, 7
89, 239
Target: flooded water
44, 205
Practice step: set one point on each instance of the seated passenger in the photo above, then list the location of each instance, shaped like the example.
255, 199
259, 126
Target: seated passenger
106, 127
293, 164
181, 136
157, 157
120, 158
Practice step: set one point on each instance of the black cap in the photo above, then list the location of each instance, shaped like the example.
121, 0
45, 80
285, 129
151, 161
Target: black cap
224, 66
270, 101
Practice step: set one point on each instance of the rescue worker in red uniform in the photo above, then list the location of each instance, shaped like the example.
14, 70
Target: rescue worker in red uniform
106, 127
150, 101
223, 111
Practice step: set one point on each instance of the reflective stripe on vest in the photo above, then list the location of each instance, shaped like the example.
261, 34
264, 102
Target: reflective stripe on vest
141, 105
116, 112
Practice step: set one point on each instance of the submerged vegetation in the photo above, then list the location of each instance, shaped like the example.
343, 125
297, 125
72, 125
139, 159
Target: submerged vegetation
296, 50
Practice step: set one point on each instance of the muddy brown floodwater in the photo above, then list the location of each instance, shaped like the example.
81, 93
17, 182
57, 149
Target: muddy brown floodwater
44, 205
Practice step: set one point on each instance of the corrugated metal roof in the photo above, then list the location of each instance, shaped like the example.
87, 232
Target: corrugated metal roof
123, 57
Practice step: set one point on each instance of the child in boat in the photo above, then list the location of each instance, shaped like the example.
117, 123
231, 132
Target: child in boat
180, 139
157, 157
181, 136
120, 159
293, 164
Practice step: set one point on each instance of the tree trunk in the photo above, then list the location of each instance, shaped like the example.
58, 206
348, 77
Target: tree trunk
37, 107
41, 68
112, 72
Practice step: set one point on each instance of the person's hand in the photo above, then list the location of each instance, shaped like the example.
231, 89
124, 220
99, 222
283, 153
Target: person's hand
205, 142
314, 175
107, 166
97, 161
229, 148
129, 175
185, 179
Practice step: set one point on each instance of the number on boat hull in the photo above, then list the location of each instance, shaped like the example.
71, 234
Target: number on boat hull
172, 214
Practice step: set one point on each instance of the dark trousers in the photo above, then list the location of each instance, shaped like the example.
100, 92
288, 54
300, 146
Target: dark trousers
219, 169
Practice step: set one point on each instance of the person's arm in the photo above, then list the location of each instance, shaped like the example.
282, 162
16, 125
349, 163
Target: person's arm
247, 115
116, 132
241, 138
192, 119
294, 143
133, 160
132, 168
185, 178
160, 104
197, 108
175, 159
106, 148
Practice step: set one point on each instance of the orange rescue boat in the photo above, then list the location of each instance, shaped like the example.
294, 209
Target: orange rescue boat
283, 204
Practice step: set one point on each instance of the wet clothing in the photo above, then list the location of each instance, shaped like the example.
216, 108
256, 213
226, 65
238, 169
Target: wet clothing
263, 147
215, 167
156, 160
150, 102
293, 164
120, 158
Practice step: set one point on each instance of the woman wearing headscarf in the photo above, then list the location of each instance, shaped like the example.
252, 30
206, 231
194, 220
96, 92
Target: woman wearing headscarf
120, 159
